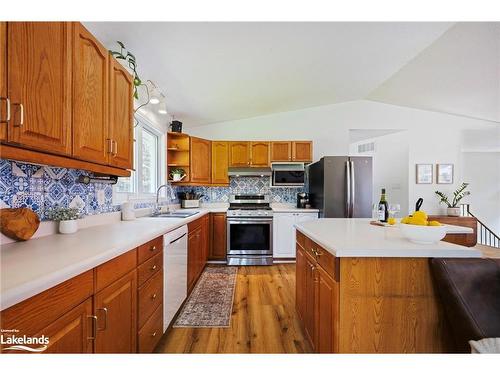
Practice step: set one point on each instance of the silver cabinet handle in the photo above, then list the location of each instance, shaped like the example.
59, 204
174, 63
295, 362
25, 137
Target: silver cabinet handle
152, 248
21, 123
105, 318
115, 148
153, 334
94, 327
7, 101
110, 146
153, 296
153, 268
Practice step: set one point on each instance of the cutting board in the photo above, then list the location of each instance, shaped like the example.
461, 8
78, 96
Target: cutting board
18, 223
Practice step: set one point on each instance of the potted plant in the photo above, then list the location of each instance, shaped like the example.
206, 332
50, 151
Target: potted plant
452, 208
67, 219
177, 174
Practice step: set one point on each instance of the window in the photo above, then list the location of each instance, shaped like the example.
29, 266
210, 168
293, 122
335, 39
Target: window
147, 161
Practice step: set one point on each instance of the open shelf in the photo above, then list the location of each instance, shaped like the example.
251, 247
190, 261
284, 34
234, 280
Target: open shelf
178, 147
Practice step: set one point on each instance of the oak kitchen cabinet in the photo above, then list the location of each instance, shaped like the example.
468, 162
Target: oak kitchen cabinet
39, 85
284, 231
218, 233
220, 162
70, 101
200, 161
259, 154
115, 307
299, 151
239, 154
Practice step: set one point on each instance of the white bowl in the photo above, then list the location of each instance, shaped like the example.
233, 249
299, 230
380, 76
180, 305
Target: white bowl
421, 234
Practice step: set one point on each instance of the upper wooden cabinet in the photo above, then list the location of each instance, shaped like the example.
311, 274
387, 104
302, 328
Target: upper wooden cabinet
220, 162
3, 82
302, 151
200, 160
121, 112
239, 154
281, 151
90, 98
39, 85
259, 154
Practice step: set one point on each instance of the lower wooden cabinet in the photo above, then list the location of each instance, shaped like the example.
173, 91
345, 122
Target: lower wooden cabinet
72, 332
218, 240
327, 316
198, 247
116, 311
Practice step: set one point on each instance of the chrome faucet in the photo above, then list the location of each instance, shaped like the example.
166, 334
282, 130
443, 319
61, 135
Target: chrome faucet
170, 193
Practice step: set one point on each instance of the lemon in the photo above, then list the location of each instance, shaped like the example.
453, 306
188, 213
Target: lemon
420, 215
434, 223
417, 221
405, 220
391, 221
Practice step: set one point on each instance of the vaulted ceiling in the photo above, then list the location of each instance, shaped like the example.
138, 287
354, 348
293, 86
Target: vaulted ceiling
212, 72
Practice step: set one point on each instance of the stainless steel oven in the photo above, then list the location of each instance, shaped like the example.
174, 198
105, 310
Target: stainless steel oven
249, 232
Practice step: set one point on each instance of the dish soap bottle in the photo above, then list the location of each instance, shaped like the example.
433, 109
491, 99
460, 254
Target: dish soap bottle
383, 208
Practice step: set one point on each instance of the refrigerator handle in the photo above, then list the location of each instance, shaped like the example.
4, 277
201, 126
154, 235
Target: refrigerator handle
348, 189
353, 189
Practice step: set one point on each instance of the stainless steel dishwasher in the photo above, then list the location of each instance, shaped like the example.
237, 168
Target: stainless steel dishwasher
175, 254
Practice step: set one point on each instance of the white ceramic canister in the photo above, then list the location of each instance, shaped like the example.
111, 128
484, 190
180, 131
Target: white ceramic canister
128, 212
68, 226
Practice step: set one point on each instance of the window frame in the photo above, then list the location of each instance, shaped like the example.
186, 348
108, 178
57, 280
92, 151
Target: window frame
137, 194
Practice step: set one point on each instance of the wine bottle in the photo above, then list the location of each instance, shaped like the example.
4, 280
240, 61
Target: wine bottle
383, 208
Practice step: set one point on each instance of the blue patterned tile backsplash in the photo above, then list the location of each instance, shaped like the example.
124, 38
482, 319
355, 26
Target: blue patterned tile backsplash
41, 188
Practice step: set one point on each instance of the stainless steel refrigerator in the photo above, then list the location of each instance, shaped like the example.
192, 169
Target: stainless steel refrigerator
341, 186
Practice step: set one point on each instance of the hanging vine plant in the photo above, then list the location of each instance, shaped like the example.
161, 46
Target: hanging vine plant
125, 55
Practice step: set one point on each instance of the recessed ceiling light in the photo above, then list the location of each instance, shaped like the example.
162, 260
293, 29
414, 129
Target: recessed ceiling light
154, 100
162, 111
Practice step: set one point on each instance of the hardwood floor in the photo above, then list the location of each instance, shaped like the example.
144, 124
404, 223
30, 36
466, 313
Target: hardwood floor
263, 320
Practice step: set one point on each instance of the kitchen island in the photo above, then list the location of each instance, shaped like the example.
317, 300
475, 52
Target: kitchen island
365, 289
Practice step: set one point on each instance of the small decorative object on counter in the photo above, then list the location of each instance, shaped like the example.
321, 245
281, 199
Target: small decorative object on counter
19, 223
453, 209
128, 212
67, 218
177, 174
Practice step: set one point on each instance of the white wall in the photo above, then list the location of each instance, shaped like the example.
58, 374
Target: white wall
433, 137
482, 171
390, 167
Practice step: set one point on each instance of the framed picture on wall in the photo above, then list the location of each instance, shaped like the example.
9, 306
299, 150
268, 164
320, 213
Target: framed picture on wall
424, 174
444, 173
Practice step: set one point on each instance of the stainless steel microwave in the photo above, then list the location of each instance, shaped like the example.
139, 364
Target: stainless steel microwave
288, 174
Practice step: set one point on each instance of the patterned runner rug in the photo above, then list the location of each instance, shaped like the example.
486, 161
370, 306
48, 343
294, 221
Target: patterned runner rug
211, 302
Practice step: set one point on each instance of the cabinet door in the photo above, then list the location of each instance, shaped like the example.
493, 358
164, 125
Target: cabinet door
121, 111
220, 162
328, 313
116, 311
239, 154
90, 101
39, 85
310, 301
284, 235
200, 160
259, 154
194, 243
72, 332
218, 240
281, 151
300, 283
3, 81
302, 151
206, 240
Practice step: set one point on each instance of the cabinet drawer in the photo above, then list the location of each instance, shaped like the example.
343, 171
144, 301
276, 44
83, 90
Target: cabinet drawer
149, 268
109, 272
37, 312
149, 249
150, 297
195, 224
327, 261
150, 334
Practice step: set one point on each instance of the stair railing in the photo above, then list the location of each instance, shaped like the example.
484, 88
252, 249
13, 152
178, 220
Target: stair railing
485, 236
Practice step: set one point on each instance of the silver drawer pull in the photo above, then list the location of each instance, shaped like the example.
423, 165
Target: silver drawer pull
21, 123
153, 268
152, 248
153, 334
153, 296
7, 100
94, 327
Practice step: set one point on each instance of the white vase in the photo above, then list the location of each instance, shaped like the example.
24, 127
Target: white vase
68, 226
453, 211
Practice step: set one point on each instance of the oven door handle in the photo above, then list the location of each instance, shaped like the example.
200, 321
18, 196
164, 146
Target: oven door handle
250, 221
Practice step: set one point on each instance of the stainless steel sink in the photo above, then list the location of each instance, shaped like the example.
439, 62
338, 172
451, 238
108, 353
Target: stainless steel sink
176, 214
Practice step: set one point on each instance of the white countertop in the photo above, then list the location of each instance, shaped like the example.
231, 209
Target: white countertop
282, 207
30, 267
357, 238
